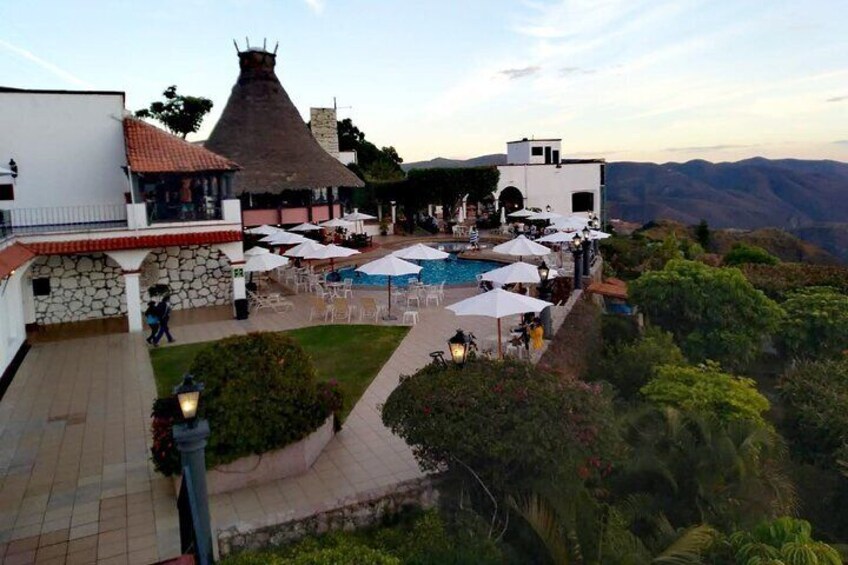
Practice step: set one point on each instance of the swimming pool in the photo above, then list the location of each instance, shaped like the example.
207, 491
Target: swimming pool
452, 271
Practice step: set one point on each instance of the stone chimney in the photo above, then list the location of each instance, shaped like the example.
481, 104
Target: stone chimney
324, 129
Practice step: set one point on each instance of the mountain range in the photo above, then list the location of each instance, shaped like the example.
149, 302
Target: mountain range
805, 197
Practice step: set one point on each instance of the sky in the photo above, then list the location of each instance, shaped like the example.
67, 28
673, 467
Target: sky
645, 80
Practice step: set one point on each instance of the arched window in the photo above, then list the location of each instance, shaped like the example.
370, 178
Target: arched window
583, 202
511, 199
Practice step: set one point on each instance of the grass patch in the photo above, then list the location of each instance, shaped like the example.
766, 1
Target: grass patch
351, 354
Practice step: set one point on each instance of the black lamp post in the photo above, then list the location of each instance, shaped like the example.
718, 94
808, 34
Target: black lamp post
576, 246
458, 346
545, 294
190, 437
595, 224
587, 251
14, 168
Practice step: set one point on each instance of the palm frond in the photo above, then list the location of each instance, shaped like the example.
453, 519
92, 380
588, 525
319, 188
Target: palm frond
688, 547
543, 519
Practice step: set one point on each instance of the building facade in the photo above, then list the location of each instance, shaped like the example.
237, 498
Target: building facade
536, 176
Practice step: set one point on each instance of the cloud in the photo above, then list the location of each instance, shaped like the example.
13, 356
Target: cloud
520, 73
701, 148
837, 98
566, 71
841, 142
46, 65
316, 6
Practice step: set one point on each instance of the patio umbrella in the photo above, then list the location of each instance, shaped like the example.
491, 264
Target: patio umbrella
303, 249
5, 172
523, 213
515, 273
420, 252
305, 227
336, 223
263, 230
557, 237
544, 216
359, 217
389, 266
597, 234
253, 251
570, 223
521, 246
264, 262
498, 303
284, 238
331, 252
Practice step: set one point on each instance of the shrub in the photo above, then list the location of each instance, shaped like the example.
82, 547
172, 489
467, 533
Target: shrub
742, 253
507, 422
816, 396
815, 324
629, 366
617, 329
706, 389
777, 281
712, 313
163, 451
260, 395
783, 540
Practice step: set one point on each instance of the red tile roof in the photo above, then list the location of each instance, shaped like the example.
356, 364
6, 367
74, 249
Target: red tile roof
151, 150
139, 242
13, 257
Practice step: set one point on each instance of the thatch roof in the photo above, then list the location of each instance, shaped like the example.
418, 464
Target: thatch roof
262, 131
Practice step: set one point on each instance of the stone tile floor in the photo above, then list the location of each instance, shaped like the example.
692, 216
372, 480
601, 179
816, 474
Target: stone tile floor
76, 484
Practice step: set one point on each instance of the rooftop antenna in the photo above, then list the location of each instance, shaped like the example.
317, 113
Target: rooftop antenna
337, 107
275, 47
236, 44
265, 44
247, 42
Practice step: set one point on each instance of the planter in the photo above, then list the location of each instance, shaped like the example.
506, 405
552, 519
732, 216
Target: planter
253, 470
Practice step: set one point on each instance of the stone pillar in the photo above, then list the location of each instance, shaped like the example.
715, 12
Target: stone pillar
132, 289
464, 209
380, 212
239, 290
394, 212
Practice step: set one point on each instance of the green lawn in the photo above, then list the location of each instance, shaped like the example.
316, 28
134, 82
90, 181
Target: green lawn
351, 354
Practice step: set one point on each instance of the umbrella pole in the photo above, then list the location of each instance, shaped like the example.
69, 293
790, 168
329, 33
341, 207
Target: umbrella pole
500, 346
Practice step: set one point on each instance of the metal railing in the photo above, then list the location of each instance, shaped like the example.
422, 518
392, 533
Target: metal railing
161, 212
23, 221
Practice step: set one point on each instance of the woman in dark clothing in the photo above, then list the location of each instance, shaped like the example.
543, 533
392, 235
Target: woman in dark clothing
152, 318
163, 310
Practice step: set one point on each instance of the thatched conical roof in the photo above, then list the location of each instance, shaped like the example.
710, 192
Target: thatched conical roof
262, 131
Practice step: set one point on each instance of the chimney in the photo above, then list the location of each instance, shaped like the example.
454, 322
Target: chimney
324, 129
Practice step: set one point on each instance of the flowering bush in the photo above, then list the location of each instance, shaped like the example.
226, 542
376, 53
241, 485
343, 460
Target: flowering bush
164, 453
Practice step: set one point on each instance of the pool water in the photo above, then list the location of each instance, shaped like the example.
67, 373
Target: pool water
451, 271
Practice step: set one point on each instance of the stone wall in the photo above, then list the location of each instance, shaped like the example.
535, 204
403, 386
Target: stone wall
196, 276
369, 509
322, 122
82, 287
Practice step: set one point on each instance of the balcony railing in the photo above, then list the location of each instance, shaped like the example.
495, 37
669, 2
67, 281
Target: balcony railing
23, 221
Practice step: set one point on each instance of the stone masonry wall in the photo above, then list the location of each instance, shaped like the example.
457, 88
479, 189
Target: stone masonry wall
325, 129
196, 276
82, 287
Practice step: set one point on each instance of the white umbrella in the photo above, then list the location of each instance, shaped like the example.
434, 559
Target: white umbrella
303, 249
420, 252
253, 251
265, 262
498, 303
284, 238
263, 230
336, 223
521, 246
389, 266
331, 252
560, 237
305, 227
570, 223
523, 213
5, 172
597, 234
359, 217
544, 216
515, 273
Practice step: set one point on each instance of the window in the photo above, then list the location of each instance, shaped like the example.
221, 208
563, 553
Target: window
41, 287
7, 192
583, 202
537, 151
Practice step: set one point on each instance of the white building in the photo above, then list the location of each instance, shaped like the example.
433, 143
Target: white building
536, 176
103, 209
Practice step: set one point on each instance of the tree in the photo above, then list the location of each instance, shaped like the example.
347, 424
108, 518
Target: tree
181, 114
707, 390
782, 540
713, 313
702, 234
448, 187
376, 164
815, 324
742, 253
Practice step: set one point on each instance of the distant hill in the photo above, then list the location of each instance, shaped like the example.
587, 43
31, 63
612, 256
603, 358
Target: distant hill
443, 163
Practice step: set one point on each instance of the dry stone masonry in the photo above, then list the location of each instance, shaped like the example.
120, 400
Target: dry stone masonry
195, 276
322, 122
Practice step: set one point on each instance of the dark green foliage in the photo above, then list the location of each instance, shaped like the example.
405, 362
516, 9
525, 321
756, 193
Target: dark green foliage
702, 234
507, 422
707, 390
629, 366
713, 313
179, 113
782, 540
816, 397
373, 164
815, 324
778, 281
742, 253
448, 187
618, 329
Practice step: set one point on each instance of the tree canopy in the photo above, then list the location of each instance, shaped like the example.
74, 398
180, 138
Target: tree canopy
181, 114
374, 164
815, 324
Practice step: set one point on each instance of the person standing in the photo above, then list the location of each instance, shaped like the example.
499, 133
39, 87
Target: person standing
474, 239
163, 310
151, 316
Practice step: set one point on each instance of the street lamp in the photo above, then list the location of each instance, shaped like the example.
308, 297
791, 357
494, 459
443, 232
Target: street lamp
544, 272
545, 293
191, 436
458, 346
576, 247
548, 208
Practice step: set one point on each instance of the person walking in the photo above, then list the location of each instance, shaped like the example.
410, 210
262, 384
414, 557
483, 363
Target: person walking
474, 239
151, 316
163, 310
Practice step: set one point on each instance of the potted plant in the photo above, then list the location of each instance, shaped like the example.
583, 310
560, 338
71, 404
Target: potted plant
384, 227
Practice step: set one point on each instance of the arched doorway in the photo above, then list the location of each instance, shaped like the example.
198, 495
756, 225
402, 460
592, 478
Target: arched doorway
511, 199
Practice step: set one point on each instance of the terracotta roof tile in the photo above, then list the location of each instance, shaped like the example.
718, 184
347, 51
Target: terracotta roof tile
151, 150
13, 257
139, 242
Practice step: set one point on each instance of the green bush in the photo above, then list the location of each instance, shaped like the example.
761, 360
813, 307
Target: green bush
815, 324
778, 281
629, 366
816, 396
617, 329
705, 389
783, 540
742, 253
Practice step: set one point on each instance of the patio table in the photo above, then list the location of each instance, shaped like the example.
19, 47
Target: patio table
335, 288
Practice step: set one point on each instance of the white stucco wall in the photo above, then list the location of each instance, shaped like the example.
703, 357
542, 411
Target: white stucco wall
547, 185
69, 148
521, 152
12, 327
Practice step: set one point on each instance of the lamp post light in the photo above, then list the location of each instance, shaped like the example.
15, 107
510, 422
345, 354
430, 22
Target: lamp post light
587, 251
576, 246
545, 292
595, 224
190, 437
459, 346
